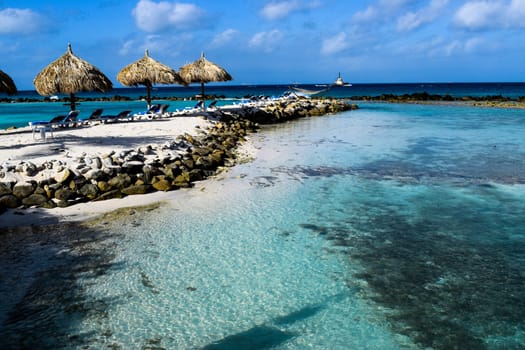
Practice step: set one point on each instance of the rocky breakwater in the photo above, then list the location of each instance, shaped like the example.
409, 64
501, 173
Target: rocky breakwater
286, 110
149, 168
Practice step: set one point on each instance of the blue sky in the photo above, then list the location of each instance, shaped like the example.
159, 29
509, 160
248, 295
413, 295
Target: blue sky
276, 41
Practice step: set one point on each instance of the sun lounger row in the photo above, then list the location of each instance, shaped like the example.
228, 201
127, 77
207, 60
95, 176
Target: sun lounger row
197, 108
71, 119
59, 120
97, 116
155, 111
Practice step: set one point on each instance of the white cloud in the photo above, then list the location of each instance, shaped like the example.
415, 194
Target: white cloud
517, 12
127, 47
474, 45
157, 44
413, 20
267, 41
20, 21
452, 47
367, 15
480, 15
280, 9
224, 38
382, 11
334, 44
469, 46
440, 46
153, 16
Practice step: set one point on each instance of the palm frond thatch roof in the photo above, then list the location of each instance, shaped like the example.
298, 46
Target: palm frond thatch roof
148, 71
70, 74
203, 71
7, 85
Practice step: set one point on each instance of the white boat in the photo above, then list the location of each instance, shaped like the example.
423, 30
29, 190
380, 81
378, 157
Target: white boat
339, 81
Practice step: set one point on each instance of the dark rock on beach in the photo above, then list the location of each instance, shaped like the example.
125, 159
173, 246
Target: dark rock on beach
34, 199
9, 201
136, 189
5, 188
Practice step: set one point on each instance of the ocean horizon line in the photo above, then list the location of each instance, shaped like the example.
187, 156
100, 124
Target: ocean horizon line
227, 85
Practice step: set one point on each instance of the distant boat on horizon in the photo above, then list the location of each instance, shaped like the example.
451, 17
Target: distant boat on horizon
339, 81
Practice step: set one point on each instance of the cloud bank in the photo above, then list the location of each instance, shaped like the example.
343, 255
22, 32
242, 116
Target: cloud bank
266, 41
485, 15
20, 21
413, 20
224, 37
153, 16
276, 10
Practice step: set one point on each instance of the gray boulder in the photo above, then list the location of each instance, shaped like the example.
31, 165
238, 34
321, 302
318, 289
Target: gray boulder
23, 189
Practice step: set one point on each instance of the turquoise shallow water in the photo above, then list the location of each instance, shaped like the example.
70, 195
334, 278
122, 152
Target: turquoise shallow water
20, 113
389, 227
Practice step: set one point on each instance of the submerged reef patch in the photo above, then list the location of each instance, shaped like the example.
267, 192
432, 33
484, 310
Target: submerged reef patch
448, 285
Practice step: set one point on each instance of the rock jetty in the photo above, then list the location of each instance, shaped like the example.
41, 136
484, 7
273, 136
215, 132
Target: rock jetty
284, 110
169, 166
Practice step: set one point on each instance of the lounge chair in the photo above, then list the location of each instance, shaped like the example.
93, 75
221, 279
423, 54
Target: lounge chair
212, 105
124, 115
243, 102
151, 110
97, 113
189, 110
158, 113
163, 110
199, 105
68, 121
41, 126
59, 120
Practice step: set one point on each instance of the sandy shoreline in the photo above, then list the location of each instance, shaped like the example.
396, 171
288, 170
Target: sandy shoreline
21, 145
67, 144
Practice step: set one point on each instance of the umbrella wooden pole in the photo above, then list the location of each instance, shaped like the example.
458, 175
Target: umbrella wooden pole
203, 98
72, 99
148, 97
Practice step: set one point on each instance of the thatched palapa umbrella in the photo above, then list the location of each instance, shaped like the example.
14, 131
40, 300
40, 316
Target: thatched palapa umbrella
147, 71
203, 71
70, 74
7, 84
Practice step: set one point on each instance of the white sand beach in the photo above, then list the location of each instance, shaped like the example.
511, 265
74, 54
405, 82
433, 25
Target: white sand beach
66, 143
69, 143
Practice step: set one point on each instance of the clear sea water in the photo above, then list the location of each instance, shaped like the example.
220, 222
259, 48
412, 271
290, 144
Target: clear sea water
388, 227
